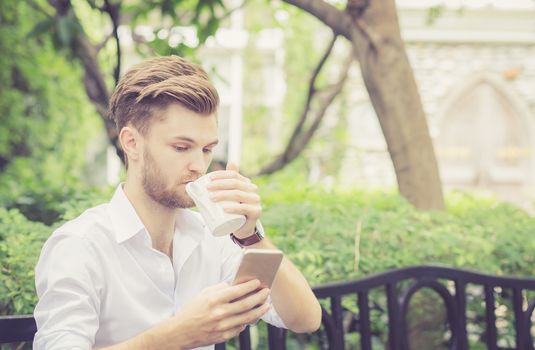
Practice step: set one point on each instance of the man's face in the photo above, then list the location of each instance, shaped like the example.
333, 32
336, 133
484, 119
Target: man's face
177, 150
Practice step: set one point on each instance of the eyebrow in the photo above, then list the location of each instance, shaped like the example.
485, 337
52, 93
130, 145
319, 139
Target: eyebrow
190, 140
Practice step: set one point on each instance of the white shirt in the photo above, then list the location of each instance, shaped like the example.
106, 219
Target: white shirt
100, 282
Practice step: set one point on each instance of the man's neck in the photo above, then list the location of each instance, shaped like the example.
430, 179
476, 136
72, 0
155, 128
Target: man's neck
158, 220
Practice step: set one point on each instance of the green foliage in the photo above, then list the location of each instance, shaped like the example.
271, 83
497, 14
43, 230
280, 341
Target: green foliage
20, 244
206, 16
434, 13
47, 119
47, 122
317, 229
83, 200
21, 241
301, 55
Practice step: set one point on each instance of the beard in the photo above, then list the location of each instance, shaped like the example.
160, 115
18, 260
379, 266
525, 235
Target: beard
154, 185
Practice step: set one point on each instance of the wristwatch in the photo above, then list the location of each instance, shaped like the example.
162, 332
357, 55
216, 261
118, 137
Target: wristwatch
256, 237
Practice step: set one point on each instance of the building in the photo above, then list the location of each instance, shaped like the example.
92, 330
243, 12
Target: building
475, 68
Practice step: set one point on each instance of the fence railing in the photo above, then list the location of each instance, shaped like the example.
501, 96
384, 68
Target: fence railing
397, 287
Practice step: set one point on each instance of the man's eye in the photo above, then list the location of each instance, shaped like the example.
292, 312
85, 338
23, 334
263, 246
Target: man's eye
181, 148
207, 150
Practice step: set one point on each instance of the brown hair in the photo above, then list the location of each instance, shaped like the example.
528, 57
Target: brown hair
152, 85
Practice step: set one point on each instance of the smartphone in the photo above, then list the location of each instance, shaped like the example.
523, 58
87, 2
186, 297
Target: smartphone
261, 264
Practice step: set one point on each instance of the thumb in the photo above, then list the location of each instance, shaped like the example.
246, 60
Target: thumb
233, 166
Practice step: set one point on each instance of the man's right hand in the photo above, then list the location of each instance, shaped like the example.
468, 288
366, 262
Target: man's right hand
214, 316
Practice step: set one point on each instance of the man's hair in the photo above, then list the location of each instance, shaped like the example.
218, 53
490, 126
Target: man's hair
152, 85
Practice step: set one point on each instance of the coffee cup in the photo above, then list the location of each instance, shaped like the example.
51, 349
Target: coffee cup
219, 222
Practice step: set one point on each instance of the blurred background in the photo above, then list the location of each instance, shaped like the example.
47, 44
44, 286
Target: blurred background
290, 94
382, 133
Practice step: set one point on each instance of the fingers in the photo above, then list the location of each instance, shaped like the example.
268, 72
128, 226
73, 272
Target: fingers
225, 317
231, 333
230, 186
228, 174
237, 291
234, 191
244, 318
249, 302
235, 196
250, 211
221, 184
253, 315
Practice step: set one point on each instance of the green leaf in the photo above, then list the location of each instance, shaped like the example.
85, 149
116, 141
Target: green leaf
41, 27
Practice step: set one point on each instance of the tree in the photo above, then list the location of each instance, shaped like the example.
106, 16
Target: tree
47, 120
65, 22
310, 118
372, 28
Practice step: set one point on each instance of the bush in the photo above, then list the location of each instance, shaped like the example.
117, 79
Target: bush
316, 229
320, 231
336, 235
20, 244
47, 118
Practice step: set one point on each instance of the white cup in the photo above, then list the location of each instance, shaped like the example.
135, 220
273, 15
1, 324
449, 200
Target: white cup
218, 221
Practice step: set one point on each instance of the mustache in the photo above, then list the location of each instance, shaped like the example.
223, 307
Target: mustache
190, 178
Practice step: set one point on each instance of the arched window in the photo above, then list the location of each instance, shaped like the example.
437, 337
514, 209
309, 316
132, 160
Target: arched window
485, 137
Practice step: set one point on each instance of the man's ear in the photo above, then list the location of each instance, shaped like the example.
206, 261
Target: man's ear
131, 143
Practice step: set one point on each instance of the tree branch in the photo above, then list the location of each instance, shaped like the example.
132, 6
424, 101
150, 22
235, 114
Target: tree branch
103, 43
230, 12
300, 138
311, 92
339, 21
95, 6
94, 81
38, 8
114, 12
356, 9
326, 102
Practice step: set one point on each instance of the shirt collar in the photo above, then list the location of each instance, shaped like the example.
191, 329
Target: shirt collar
190, 230
126, 222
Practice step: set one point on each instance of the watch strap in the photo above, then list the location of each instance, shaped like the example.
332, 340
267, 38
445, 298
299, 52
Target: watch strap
256, 237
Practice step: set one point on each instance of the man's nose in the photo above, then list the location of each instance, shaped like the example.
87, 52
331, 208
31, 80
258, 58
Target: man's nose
197, 163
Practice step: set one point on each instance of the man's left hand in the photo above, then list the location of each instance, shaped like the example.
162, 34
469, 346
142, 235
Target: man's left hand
229, 185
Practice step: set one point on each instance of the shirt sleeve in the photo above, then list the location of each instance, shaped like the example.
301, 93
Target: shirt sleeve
67, 314
231, 255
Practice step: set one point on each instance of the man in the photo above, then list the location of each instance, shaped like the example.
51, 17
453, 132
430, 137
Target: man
142, 271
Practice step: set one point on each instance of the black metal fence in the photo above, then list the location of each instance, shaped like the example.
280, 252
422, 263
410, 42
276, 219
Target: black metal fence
399, 288
451, 286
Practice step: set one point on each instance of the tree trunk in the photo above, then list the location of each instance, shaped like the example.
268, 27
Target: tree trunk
374, 31
94, 81
392, 88
95, 87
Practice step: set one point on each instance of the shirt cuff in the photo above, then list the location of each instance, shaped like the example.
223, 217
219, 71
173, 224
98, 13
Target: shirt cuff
272, 317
